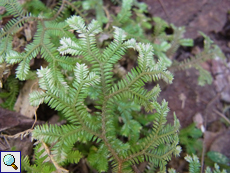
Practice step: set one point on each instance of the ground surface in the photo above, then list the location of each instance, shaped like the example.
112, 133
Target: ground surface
210, 17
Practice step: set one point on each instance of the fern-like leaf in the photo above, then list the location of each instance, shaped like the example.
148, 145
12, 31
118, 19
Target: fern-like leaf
157, 147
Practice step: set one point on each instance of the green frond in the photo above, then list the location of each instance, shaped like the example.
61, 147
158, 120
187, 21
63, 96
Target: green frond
42, 44
5, 47
130, 128
25, 163
145, 58
59, 29
23, 69
58, 97
119, 34
87, 33
13, 7
71, 101
125, 12
66, 63
11, 27
74, 156
11, 88
160, 144
82, 75
98, 7
204, 77
216, 169
194, 164
210, 51
207, 41
23, 59
160, 52
103, 126
171, 170
131, 86
93, 28
36, 7
177, 39
117, 48
41, 154
78, 24
83, 79
69, 46
62, 137
47, 81
100, 14
189, 137
41, 163
160, 26
14, 57
49, 52
47, 133
98, 158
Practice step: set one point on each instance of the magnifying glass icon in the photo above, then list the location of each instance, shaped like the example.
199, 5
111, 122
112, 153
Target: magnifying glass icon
9, 160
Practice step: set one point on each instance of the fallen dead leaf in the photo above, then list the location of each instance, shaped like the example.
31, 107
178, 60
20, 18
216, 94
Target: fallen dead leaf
209, 137
198, 120
13, 122
22, 104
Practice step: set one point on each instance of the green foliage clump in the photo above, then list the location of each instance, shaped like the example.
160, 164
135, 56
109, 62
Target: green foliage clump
42, 44
98, 7
189, 138
210, 51
194, 166
219, 158
9, 93
156, 147
41, 163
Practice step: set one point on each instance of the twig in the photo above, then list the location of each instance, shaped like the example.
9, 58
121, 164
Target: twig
35, 119
162, 5
22, 134
222, 115
108, 16
59, 168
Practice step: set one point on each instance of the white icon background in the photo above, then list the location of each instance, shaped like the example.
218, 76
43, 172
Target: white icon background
17, 157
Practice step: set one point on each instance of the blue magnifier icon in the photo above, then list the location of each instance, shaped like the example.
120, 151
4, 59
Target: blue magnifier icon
9, 160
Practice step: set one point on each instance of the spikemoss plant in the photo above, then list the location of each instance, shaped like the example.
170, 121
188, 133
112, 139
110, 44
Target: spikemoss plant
156, 147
